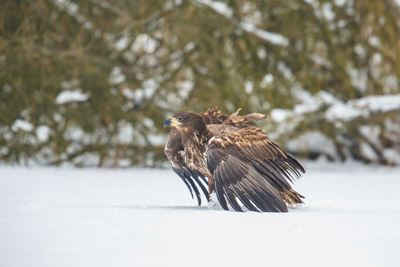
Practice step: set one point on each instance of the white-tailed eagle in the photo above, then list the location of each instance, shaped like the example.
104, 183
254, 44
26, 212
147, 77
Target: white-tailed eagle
232, 158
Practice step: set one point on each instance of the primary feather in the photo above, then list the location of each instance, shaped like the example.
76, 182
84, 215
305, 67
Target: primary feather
235, 160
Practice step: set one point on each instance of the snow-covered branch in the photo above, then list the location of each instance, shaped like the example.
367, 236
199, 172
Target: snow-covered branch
359, 127
363, 107
226, 11
338, 110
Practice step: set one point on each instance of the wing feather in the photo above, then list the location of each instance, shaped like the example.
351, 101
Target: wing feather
195, 176
233, 177
180, 173
247, 166
220, 195
245, 199
245, 192
191, 179
195, 190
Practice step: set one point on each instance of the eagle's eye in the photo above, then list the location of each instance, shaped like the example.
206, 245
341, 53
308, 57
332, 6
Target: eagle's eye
180, 119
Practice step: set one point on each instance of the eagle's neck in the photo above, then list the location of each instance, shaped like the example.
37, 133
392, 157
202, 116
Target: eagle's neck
194, 142
196, 138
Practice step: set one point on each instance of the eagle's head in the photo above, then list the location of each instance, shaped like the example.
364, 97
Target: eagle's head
185, 120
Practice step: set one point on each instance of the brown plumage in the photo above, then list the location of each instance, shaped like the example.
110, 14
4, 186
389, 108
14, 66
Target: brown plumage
235, 160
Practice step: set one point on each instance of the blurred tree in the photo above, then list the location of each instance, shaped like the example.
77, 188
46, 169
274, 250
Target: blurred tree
90, 82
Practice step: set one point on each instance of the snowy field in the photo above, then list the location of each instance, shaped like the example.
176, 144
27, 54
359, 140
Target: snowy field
144, 217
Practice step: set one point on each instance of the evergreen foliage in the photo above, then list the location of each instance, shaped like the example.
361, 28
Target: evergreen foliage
90, 82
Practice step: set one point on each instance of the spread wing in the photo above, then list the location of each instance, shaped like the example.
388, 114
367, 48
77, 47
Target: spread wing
192, 179
215, 116
248, 166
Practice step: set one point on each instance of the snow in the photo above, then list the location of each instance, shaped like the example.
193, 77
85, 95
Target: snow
145, 43
145, 217
122, 43
371, 133
340, 3
274, 38
337, 110
393, 155
367, 151
279, 115
327, 11
116, 76
68, 96
43, 133
157, 139
248, 87
341, 111
359, 78
71, 7
189, 47
184, 88
219, 7
22, 125
224, 10
126, 133
133, 95
267, 80
312, 141
362, 107
383, 103
261, 53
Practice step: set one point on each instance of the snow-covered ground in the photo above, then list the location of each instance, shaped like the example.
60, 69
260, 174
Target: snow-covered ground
144, 217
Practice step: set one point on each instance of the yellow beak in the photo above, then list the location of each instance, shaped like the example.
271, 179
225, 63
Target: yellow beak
173, 122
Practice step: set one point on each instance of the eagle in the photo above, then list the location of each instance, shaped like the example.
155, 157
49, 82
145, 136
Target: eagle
224, 155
